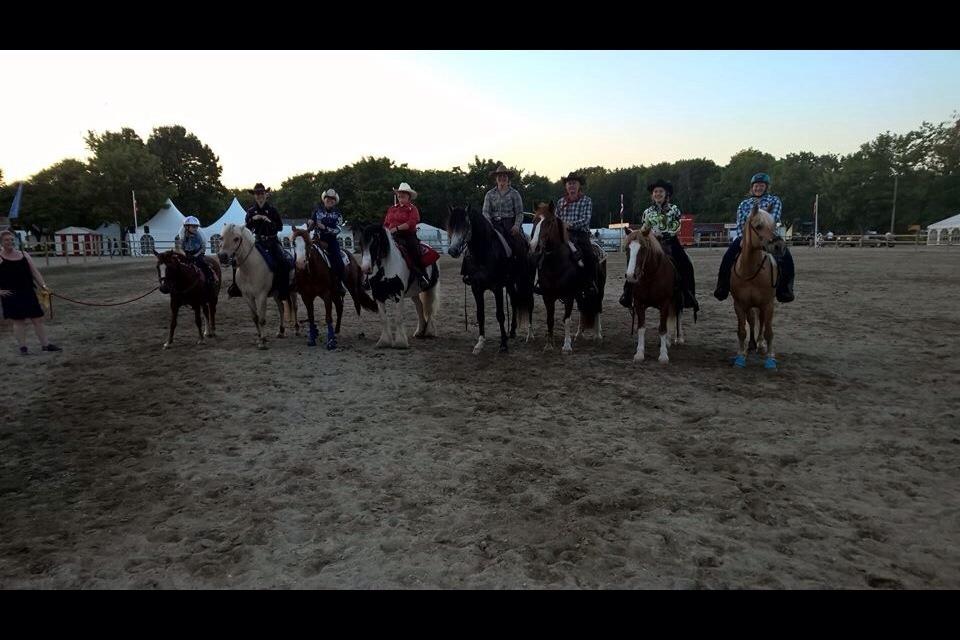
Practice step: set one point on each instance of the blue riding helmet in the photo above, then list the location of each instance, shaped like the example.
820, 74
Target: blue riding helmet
760, 177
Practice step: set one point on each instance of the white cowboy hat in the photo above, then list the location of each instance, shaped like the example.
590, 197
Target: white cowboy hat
405, 187
330, 193
191, 220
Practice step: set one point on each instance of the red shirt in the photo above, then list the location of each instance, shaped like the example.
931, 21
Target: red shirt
402, 214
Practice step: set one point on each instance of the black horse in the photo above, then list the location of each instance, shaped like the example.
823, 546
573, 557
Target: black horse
489, 267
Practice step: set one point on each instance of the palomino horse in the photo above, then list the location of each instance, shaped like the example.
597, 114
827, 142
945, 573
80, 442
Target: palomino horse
185, 283
256, 280
654, 277
314, 280
390, 283
560, 279
491, 269
753, 285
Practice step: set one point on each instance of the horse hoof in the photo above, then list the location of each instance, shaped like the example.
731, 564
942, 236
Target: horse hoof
361, 335
504, 349
331, 345
166, 345
547, 348
201, 341
663, 360
740, 361
311, 343
770, 364
638, 358
566, 351
261, 345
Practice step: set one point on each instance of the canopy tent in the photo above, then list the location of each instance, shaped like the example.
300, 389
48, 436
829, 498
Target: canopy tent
162, 228
946, 231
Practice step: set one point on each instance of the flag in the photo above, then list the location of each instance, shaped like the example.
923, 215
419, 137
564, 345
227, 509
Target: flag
134, 195
621, 208
15, 207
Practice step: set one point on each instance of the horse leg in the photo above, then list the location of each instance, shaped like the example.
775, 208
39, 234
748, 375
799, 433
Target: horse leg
511, 299
741, 359
400, 337
665, 314
311, 321
294, 323
331, 335
767, 321
481, 320
567, 342
174, 310
752, 319
641, 332
386, 330
260, 317
498, 297
421, 331
338, 305
549, 303
213, 319
199, 320
205, 308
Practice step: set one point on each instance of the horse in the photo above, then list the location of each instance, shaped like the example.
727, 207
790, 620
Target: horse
753, 286
560, 279
389, 279
184, 281
314, 279
654, 279
491, 269
256, 280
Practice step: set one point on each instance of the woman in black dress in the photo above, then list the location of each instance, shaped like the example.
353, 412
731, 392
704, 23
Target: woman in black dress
17, 295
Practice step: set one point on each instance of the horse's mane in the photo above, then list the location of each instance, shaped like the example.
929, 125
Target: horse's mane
648, 242
550, 224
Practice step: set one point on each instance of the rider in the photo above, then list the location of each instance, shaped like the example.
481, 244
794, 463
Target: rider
663, 218
265, 223
759, 194
326, 222
575, 208
194, 246
401, 220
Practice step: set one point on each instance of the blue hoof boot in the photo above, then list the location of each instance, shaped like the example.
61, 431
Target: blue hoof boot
740, 361
331, 344
311, 341
770, 363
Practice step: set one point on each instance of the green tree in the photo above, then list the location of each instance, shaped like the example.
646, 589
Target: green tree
57, 197
122, 163
192, 169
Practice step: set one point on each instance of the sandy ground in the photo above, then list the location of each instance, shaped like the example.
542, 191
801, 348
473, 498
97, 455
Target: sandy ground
221, 466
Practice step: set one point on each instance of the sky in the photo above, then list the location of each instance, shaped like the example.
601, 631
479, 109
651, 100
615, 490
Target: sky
273, 115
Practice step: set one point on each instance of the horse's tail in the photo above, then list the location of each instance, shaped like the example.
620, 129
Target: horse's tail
360, 297
591, 306
363, 299
522, 300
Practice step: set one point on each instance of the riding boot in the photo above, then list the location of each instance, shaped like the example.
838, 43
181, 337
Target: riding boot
785, 285
626, 299
726, 265
233, 291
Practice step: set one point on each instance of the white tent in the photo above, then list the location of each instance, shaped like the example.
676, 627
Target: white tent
433, 236
109, 232
164, 227
235, 214
945, 232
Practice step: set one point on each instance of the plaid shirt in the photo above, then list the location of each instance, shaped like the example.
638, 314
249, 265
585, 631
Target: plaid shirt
576, 214
768, 203
666, 222
503, 205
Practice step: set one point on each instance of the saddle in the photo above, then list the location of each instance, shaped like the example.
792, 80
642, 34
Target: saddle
265, 252
323, 247
427, 255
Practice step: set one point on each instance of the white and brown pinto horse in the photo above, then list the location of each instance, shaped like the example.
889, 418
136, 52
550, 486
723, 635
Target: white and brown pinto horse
389, 279
256, 281
753, 286
654, 280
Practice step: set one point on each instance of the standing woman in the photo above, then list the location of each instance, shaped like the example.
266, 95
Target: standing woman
17, 295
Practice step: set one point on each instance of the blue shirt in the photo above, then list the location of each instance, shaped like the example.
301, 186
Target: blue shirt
193, 244
332, 220
768, 203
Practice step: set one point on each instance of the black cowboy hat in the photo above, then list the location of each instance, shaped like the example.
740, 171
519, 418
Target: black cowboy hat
259, 188
661, 183
574, 176
502, 169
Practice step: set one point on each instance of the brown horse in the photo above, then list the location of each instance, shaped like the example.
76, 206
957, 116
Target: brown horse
314, 279
560, 279
654, 278
186, 285
753, 285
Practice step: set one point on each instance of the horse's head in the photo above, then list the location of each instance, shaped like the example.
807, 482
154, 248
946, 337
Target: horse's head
459, 229
374, 245
301, 240
169, 264
761, 229
549, 232
641, 246
231, 239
